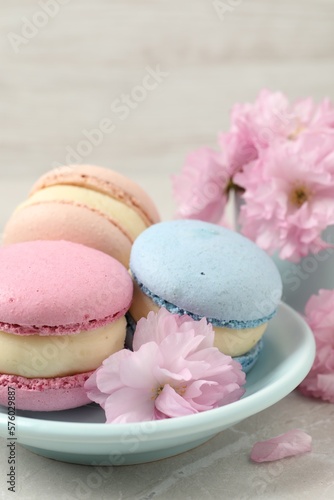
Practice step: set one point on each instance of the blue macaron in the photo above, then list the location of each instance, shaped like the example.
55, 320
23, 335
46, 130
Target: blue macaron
249, 359
204, 270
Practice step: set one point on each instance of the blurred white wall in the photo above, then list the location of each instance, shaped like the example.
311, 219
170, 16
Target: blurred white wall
64, 63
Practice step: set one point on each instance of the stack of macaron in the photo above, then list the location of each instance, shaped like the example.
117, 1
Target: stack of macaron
204, 270
65, 286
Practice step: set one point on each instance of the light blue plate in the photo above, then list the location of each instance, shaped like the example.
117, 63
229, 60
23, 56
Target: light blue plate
80, 436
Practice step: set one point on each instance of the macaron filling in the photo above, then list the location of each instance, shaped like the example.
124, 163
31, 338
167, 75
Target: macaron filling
36, 356
116, 211
234, 338
105, 181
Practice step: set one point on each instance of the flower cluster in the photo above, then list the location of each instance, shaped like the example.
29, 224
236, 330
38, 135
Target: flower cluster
319, 312
173, 371
280, 157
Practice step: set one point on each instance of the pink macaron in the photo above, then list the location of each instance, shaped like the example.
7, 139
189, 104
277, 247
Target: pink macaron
62, 312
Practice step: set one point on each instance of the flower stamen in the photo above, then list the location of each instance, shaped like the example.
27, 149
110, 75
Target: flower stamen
293, 136
156, 391
299, 195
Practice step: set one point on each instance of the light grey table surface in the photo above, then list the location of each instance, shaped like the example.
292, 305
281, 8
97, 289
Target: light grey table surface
59, 80
218, 469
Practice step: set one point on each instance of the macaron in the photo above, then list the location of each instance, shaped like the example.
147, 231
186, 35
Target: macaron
86, 204
62, 312
204, 270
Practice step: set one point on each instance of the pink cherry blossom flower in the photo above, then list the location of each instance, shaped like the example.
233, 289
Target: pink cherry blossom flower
200, 190
173, 371
289, 197
281, 154
273, 118
291, 443
319, 311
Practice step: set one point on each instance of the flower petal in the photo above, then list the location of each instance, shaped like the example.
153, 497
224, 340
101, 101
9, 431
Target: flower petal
291, 443
155, 328
200, 188
129, 405
93, 392
138, 370
171, 404
107, 377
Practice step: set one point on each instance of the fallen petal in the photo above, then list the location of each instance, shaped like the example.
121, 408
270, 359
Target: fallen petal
289, 444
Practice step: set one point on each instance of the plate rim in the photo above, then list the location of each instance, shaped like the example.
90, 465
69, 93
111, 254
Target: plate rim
223, 417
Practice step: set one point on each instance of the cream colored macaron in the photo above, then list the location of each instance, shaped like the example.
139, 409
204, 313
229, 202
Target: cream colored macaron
86, 204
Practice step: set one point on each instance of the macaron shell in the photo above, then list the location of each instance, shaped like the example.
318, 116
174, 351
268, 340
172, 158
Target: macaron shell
45, 394
206, 270
59, 287
249, 359
106, 181
64, 221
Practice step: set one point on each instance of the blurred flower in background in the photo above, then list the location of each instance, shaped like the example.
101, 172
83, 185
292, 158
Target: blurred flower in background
319, 312
280, 158
201, 189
